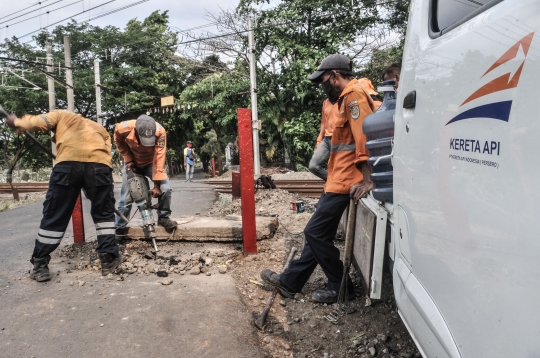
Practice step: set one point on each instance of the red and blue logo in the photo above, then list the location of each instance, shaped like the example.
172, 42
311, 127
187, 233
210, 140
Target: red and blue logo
498, 110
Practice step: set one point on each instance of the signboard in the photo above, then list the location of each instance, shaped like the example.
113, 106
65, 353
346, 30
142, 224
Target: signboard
167, 101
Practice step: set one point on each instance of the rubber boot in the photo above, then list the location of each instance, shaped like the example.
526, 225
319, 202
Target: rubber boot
41, 273
109, 263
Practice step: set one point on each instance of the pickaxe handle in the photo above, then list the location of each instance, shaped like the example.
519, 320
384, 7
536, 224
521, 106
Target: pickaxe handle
259, 323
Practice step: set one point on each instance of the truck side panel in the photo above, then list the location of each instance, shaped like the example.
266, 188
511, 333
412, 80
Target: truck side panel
465, 171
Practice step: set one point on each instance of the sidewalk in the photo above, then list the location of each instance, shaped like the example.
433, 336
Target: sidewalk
196, 316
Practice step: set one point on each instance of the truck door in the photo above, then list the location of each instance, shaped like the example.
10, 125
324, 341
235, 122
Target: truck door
465, 172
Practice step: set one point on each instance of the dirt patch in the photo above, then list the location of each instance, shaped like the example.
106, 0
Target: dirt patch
7, 202
295, 327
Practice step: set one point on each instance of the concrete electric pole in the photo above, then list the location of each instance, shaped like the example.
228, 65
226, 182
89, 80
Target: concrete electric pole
254, 114
97, 84
69, 75
50, 85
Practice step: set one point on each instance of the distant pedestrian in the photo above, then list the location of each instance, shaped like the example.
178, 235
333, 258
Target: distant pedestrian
143, 145
83, 161
189, 160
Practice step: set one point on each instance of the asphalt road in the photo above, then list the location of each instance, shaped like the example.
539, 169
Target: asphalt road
196, 316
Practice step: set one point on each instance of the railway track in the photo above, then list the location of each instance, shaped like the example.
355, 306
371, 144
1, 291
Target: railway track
307, 188
5, 188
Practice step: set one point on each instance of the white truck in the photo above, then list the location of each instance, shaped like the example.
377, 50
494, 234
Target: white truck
460, 227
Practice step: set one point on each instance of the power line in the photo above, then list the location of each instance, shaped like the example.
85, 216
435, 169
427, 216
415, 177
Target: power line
33, 17
29, 12
26, 8
67, 18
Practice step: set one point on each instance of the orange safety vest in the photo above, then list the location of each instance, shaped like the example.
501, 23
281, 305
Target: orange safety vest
348, 140
128, 145
330, 113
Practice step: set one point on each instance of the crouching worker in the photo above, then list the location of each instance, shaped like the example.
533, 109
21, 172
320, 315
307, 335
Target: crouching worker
83, 160
143, 145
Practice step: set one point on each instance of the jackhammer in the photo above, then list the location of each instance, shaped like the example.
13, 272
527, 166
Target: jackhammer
140, 194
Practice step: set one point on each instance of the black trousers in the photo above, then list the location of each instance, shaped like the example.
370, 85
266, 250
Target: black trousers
319, 249
67, 180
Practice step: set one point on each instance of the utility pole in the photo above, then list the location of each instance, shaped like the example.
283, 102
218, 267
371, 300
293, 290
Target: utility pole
69, 75
77, 218
50, 85
254, 113
97, 84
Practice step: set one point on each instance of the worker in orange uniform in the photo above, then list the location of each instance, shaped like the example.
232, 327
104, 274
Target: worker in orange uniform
392, 72
143, 145
322, 149
366, 83
83, 161
348, 177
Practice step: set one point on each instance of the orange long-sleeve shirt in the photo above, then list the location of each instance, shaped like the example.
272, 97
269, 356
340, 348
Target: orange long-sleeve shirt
128, 145
77, 139
330, 113
348, 140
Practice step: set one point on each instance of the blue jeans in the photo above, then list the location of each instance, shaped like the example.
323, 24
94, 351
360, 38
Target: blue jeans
124, 204
189, 171
320, 159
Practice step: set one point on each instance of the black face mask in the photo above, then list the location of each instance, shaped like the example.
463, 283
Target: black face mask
331, 92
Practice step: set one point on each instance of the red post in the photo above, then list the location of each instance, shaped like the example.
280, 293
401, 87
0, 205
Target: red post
214, 167
78, 222
249, 228
236, 188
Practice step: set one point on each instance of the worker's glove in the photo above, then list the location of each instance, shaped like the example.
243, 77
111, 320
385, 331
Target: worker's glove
359, 190
156, 192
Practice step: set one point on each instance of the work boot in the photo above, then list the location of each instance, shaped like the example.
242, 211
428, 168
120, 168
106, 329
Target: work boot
41, 273
272, 278
167, 223
109, 263
330, 296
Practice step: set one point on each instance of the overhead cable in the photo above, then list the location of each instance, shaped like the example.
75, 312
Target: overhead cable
67, 18
33, 17
26, 8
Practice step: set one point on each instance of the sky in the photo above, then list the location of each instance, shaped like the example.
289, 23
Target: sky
183, 14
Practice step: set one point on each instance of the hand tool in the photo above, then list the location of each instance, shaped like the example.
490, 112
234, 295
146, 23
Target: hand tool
140, 193
259, 322
342, 305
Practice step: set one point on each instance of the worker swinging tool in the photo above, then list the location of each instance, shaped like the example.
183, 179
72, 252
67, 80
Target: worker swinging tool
140, 194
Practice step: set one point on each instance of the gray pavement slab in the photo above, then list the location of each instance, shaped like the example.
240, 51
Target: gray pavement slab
195, 316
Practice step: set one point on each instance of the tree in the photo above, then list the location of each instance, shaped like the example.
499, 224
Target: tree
138, 66
211, 104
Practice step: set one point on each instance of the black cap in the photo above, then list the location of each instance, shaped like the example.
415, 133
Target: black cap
146, 129
332, 62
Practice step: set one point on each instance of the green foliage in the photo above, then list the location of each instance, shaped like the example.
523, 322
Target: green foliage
212, 103
138, 65
209, 149
380, 60
292, 39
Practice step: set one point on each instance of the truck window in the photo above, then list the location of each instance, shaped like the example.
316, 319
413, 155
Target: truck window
447, 14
